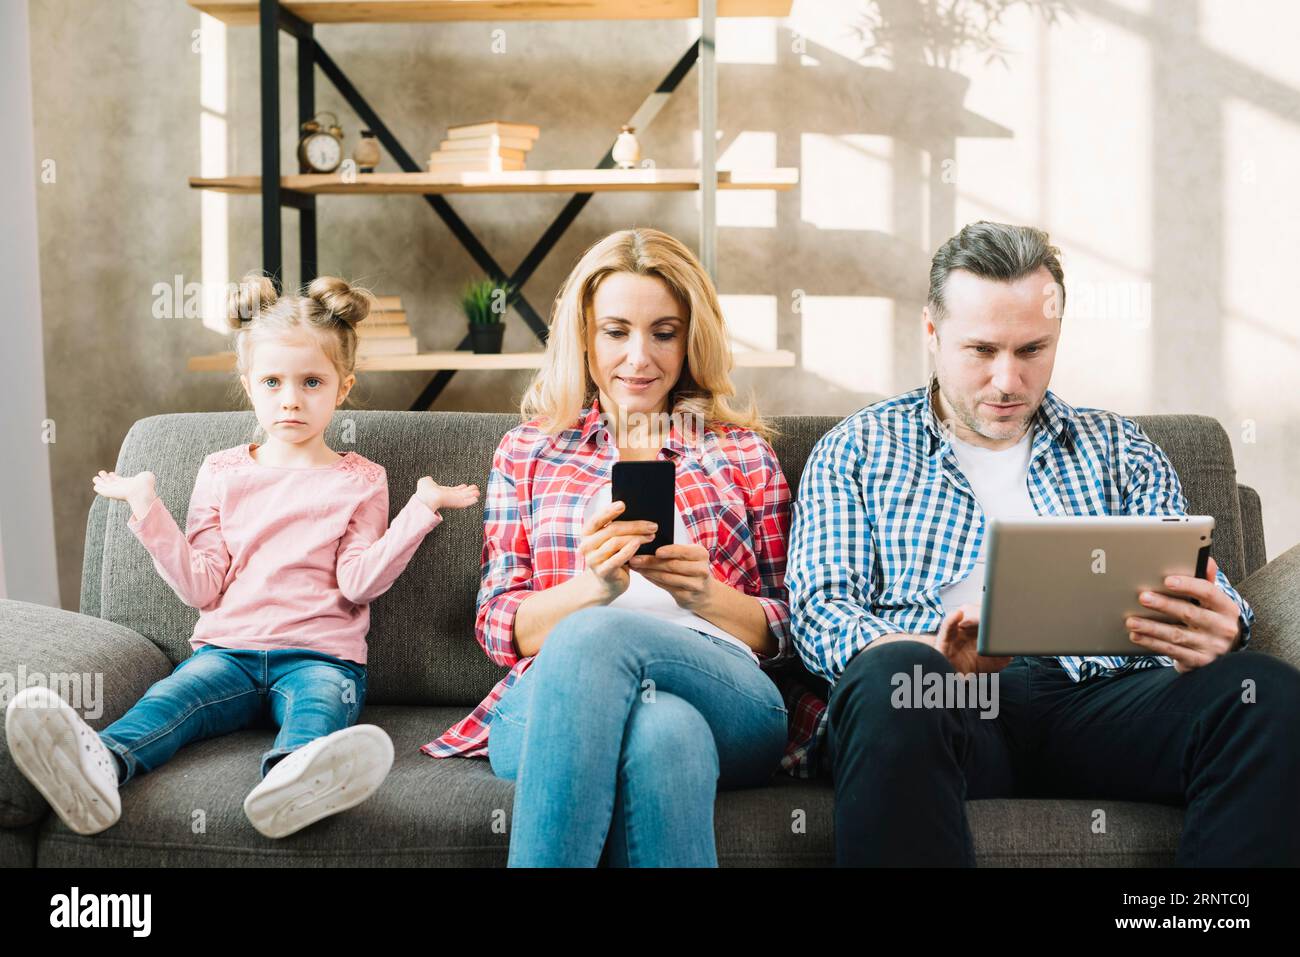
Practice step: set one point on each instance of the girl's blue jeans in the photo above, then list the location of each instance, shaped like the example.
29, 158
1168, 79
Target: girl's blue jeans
306, 694
619, 736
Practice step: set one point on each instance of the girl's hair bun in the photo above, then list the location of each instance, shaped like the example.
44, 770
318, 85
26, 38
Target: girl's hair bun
345, 302
253, 294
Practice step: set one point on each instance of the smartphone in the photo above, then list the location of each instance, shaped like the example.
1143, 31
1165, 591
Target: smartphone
646, 490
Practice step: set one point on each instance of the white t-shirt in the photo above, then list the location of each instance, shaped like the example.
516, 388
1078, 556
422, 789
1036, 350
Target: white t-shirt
999, 480
644, 595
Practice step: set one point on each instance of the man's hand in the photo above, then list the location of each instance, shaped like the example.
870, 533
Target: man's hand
1199, 633
956, 640
682, 571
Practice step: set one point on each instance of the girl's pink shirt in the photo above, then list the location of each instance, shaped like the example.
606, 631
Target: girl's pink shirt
281, 557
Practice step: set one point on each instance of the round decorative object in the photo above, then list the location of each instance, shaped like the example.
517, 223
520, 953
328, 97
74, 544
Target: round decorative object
627, 151
366, 153
320, 148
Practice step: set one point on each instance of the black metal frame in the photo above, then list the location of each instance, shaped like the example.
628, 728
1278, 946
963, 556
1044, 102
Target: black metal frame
273, 18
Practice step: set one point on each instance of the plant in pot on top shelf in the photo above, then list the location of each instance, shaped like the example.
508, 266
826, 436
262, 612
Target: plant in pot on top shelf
485, 302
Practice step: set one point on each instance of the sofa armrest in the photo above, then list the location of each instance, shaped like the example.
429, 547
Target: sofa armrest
1274, 593
1252, 529
99, 667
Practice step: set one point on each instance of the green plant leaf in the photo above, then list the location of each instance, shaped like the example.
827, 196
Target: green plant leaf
484, 301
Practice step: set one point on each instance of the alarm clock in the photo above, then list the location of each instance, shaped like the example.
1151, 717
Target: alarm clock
320, 148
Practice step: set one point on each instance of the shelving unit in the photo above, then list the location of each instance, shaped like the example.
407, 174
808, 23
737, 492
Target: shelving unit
245, 12
518, 181
298, 17
438, 361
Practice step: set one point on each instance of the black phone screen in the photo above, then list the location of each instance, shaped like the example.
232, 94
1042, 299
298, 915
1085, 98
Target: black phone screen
646, 489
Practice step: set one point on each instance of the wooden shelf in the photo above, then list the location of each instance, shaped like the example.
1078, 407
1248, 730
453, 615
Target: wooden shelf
517, 181
435, 361
572, 182
244, 12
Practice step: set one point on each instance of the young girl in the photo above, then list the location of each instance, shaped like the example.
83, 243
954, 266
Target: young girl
287, 543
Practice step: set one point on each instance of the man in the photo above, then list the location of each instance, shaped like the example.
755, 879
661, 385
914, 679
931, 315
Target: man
886, 569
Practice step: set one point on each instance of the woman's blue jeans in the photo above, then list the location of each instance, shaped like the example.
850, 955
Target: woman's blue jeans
306, 694
619, 736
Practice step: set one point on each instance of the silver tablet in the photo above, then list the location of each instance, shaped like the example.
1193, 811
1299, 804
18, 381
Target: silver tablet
1064, 585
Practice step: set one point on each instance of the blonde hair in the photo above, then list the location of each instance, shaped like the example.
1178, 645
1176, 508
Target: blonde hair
563, 386
329, 312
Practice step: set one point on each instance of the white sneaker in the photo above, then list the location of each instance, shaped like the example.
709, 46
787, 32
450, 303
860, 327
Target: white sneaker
323, 777
64, 758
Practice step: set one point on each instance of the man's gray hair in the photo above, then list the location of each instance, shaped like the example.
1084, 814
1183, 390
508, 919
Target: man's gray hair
995, 251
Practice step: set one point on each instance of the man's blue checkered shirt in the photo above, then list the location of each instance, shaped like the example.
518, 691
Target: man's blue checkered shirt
885, 519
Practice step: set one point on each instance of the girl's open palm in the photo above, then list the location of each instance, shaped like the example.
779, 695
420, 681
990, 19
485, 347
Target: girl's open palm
445, 496
136, 488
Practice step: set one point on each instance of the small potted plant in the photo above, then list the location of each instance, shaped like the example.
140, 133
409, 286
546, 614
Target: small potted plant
485, 302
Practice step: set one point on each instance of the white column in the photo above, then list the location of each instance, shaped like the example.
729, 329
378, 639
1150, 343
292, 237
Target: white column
28, 569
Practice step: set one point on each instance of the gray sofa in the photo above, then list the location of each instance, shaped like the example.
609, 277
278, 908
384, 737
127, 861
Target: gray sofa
426, 671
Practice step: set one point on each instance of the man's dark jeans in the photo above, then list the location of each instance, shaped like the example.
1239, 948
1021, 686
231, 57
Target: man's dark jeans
902, 776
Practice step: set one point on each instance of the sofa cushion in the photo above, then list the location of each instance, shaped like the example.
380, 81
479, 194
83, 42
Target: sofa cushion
18, 846
455, 812
189, 812
1036, 832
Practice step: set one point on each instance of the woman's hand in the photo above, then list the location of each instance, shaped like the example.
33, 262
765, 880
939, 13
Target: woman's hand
682, 571
607, 545
445, 496
137, 491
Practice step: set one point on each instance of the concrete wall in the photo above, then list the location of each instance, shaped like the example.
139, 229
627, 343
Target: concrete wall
1158, 147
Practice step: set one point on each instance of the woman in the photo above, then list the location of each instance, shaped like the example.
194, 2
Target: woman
636, 686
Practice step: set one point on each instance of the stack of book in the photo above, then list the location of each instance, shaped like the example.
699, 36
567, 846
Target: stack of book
484, 147
385, 332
